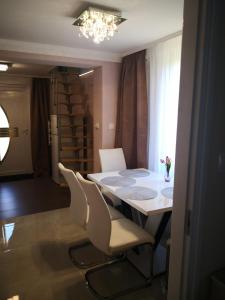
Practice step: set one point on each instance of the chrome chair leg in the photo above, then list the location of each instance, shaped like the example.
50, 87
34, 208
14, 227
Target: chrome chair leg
147, 280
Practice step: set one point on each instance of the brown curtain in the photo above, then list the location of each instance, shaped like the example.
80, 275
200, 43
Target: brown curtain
132, 111
39, 126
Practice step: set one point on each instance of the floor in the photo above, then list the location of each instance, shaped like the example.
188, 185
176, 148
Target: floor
36, 232
29, 196
35, 263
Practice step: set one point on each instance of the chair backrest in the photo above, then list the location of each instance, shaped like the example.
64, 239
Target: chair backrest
99, 221
112, 159
79, 205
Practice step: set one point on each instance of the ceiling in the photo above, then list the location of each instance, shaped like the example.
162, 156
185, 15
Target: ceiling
50, 22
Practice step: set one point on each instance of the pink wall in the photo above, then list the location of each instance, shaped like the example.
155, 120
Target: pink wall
97, 115
106, 79
109, 105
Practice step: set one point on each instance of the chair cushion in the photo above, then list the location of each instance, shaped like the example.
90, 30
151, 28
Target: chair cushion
126, 234
114, 213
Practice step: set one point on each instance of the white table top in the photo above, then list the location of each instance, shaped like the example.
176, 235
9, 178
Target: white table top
149, 207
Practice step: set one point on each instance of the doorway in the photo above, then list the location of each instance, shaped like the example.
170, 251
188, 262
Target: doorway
15, 102
21, 192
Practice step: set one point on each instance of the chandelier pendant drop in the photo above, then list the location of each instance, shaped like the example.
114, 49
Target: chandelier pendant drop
98, 24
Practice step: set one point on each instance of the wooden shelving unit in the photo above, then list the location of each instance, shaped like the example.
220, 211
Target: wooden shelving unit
74, 124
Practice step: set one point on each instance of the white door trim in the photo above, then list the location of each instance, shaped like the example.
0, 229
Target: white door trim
201, 42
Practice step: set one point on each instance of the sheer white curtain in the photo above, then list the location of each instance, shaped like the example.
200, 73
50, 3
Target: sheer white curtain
164, 61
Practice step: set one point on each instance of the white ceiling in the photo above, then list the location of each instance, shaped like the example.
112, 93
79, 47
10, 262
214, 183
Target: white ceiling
50, 22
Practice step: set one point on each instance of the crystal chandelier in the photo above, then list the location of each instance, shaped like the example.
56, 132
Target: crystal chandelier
98, 24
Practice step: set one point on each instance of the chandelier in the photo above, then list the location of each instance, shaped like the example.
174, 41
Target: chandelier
98, 23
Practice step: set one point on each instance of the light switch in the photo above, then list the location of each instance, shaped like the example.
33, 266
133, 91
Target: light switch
97, 125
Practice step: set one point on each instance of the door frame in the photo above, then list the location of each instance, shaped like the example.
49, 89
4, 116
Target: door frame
20, 86
199, 72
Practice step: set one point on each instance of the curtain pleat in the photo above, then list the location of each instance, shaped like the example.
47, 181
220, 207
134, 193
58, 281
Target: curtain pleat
165, 58
39, 126
132, 111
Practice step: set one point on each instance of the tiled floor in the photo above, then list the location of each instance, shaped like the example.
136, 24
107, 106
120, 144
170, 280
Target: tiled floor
34, 261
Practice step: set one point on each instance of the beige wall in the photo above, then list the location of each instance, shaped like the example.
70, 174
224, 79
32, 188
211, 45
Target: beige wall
97, 115
109, 105
106, 78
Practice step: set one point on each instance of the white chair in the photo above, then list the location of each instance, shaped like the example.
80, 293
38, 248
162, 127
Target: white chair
79, 209
112, 160
112, 237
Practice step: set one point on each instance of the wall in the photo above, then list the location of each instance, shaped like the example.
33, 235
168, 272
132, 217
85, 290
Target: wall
106, 79
87, 82
97, 115
105, 106
111, 73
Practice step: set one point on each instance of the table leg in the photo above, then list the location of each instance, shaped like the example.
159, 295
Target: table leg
162, 225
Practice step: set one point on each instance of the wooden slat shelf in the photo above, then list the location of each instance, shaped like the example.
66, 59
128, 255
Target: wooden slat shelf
73, 148
72, 115
71, 103
76, 160
76, 137
65, 83
65, 72
66, 94
73, 126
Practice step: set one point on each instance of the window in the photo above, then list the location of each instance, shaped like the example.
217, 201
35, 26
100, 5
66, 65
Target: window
4, 134
164, 70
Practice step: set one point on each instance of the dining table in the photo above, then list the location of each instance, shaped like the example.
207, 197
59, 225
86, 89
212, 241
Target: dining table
143, 190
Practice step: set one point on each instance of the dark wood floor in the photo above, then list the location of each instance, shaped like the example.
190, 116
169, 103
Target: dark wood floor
30, 196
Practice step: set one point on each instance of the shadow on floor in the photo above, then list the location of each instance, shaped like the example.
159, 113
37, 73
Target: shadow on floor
53, 255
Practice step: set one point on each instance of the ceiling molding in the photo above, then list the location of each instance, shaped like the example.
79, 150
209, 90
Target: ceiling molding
152, 44
46, 49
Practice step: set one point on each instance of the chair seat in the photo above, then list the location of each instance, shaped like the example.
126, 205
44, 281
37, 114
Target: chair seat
126, 234
115, 200
114, 213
